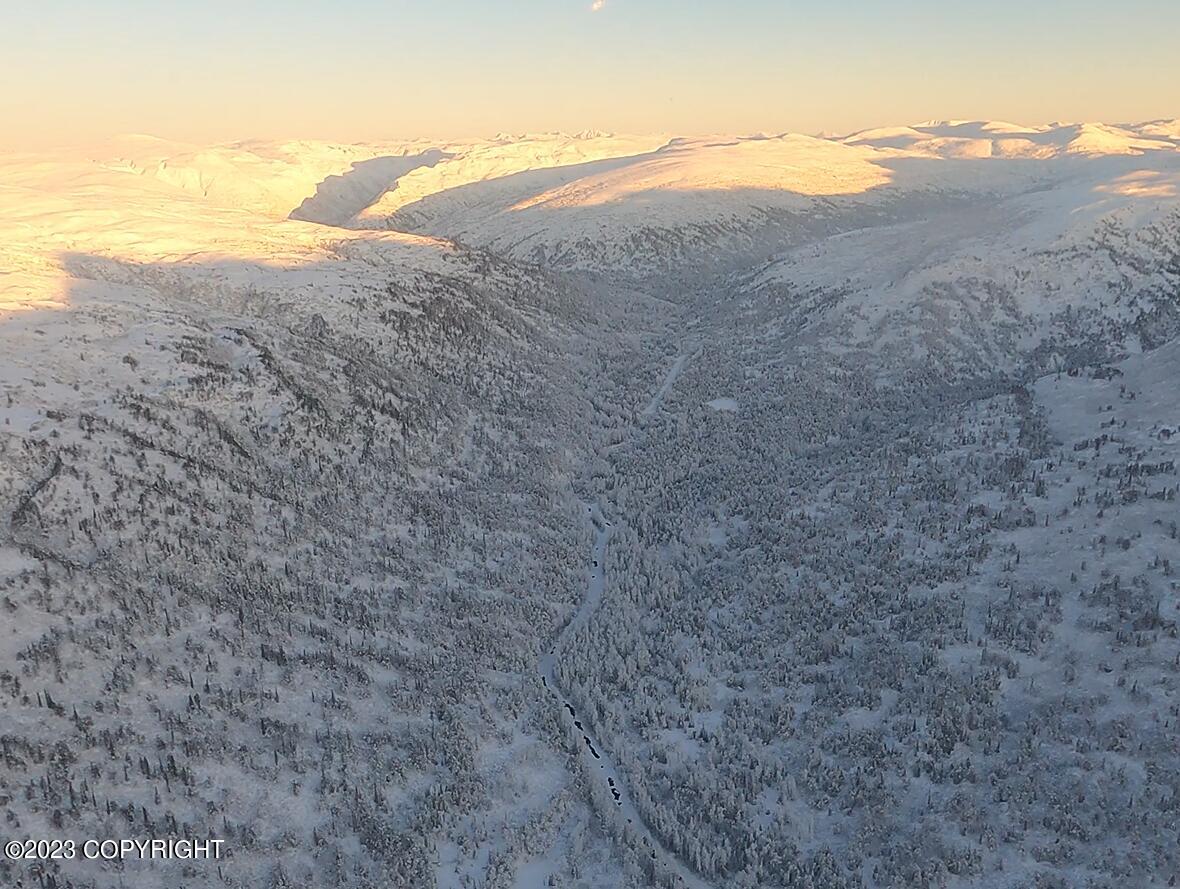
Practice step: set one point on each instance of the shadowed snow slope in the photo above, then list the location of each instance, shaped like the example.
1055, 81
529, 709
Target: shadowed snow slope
339, 198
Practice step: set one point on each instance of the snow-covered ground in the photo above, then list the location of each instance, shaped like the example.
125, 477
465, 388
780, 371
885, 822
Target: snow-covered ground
750, 196
296, 442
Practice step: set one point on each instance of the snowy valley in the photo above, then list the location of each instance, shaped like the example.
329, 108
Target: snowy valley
596, 511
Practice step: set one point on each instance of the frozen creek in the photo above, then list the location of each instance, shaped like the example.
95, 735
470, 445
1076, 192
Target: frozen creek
599, 765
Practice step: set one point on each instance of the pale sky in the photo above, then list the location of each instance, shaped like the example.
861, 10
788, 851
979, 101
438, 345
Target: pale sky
350, 70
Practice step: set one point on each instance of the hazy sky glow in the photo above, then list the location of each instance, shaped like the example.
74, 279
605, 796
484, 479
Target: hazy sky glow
352, 70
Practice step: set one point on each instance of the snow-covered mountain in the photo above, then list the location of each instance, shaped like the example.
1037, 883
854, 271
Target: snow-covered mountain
596, 510
694, 202
286, 518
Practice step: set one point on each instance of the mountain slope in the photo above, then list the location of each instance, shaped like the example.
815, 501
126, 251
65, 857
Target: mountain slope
285, 516
697, 204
